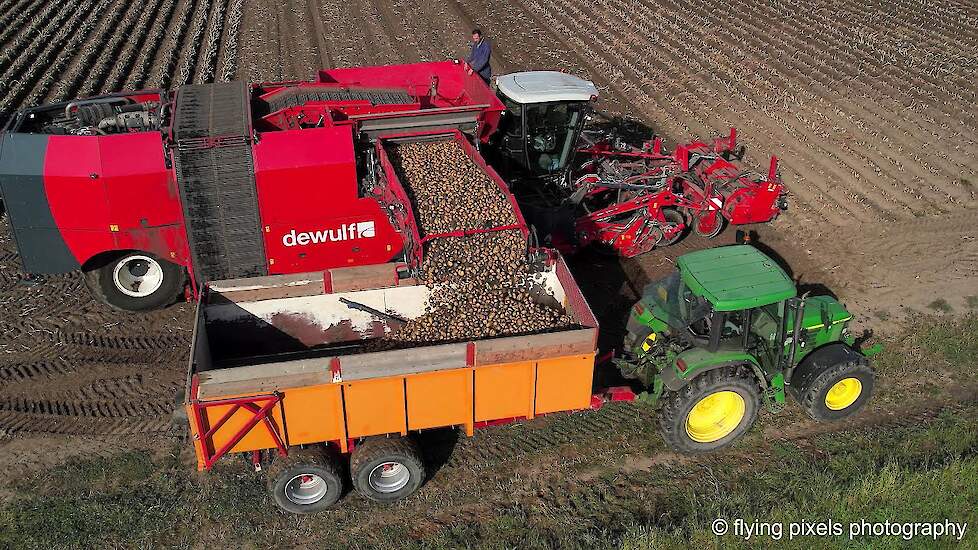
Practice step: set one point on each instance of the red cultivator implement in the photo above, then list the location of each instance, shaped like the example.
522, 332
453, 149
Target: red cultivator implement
634, 199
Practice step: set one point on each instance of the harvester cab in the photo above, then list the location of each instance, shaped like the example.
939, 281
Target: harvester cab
545, 115
726, 332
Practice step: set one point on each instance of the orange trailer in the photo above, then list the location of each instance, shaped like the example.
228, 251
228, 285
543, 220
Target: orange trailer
282, 368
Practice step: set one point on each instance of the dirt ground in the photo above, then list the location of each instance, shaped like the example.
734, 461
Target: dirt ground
868, 104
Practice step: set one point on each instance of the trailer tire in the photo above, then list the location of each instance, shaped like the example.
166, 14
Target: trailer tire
305, 482
735, 389
157, 282
387, 469
838, 391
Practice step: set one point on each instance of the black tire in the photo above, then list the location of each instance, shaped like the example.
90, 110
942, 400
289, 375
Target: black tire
677, 406
101, 280
372, 458
674, 216
813, 395
287, 475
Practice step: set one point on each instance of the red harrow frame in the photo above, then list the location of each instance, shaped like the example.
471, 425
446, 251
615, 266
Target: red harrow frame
631, 200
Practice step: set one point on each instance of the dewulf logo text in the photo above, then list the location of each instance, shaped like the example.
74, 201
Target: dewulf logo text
345, 232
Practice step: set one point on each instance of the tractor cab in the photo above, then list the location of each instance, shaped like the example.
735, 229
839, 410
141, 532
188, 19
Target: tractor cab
728, 322
545, 112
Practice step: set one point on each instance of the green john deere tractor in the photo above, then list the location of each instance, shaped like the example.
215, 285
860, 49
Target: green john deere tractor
726, 333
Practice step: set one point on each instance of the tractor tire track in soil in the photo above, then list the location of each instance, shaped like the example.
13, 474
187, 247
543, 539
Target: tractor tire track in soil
69, 365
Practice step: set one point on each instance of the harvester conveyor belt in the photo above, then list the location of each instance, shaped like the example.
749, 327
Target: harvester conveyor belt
216, 175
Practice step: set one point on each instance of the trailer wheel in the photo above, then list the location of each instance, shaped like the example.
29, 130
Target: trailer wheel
838, 391
387, 470
307, 481
711, 411
135, 281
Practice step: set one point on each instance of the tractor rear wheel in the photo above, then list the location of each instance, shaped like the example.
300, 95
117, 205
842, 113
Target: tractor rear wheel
135, 281
387, 469
307, 481
838, 391
711, 411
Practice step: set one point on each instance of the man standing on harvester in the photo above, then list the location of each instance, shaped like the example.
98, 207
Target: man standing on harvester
479, 56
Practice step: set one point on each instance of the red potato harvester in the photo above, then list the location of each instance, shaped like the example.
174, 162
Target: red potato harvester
147, 191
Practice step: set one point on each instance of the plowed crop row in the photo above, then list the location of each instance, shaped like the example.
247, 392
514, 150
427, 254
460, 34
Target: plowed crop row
53, 51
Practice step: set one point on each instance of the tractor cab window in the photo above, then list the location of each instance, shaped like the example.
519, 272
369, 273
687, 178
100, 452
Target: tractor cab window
511, 131
551, 133
765, 323
512, 122
676, 304
732, 329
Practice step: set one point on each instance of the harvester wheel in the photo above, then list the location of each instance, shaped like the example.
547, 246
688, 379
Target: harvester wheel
135, 281
838, 391
673, 216
387, 469
711, 411
307, 481
708, 224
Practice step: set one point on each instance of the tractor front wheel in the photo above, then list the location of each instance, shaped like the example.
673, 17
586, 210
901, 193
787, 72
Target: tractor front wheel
712, 411
838, 391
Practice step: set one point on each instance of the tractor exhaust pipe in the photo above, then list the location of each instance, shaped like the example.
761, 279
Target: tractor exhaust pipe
795, 333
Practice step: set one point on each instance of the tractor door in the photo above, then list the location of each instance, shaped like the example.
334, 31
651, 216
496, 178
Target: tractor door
540, 138
762, 337
512, 146
552, 131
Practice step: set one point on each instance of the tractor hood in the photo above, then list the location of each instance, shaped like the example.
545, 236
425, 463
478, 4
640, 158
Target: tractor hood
822, 310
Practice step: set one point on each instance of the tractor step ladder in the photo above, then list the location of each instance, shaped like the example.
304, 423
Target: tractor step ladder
216, 176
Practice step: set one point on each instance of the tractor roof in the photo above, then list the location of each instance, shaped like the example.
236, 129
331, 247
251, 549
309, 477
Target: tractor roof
737, 277
545, 86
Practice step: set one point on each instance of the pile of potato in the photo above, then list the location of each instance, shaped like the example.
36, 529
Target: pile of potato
448, 190
483, 284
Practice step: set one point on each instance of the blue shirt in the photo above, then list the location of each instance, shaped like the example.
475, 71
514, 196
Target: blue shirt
479, 58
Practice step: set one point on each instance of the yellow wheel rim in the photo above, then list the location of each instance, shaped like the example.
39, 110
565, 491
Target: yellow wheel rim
843, 393
715, 416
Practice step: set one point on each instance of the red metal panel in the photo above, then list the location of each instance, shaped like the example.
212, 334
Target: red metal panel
455, 87
577, 305
312, 215
144, 202
76, 194
114, 193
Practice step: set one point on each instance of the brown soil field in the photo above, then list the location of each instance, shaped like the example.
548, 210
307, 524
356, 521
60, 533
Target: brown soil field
869, 104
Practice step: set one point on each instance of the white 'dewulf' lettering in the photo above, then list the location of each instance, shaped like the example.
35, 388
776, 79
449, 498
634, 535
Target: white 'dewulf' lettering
345, 232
